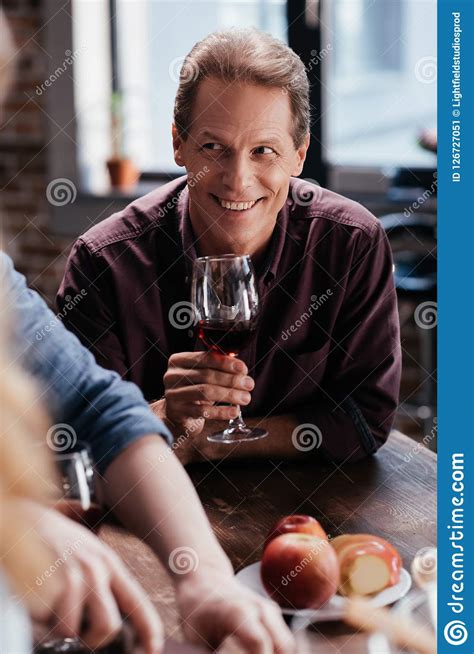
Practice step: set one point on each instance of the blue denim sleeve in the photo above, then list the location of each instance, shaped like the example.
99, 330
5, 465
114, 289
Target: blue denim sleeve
94, 404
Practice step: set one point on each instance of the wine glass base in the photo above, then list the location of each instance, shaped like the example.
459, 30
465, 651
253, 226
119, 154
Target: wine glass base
233, 435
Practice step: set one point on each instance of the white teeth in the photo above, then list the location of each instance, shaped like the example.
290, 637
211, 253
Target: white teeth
236, 206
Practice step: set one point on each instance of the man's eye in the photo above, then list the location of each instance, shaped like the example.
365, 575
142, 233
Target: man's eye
264, 149
213, 146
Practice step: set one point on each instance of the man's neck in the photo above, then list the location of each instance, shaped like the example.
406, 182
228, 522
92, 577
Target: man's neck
209, 244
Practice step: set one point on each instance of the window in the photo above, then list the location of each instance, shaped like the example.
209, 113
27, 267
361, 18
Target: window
378, 76
380, 82
153, 38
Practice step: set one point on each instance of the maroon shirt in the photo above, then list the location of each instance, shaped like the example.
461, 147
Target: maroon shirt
327, 347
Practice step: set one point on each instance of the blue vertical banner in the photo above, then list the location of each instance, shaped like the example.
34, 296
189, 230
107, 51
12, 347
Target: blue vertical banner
455, 326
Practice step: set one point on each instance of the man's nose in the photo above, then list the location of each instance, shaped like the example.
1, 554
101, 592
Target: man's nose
238, 175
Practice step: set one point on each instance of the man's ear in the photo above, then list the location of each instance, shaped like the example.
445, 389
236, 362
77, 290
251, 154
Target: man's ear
301, 156
177, 145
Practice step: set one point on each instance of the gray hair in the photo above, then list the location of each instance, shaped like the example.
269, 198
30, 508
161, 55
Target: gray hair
245, 55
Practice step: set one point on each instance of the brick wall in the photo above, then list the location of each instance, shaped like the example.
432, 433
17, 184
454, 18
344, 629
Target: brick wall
23, 167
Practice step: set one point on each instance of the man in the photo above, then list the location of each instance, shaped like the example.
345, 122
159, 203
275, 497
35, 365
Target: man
323, 372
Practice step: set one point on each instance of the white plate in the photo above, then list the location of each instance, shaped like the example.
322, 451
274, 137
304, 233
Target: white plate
334, 609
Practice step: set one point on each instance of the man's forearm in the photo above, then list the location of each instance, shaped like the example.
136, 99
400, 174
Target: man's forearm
315, 431
150, 492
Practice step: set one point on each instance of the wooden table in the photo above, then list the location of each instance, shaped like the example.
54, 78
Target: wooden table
392, 494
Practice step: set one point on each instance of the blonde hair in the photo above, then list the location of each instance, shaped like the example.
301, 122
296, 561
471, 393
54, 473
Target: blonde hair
26, 469
244, 55
6, 54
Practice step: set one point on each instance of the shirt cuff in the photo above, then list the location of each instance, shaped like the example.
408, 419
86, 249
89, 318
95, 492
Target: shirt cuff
138, 424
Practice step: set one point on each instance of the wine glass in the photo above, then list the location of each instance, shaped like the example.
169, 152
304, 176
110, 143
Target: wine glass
225, 299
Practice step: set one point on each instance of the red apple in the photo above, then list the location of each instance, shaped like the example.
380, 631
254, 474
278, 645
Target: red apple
302, 524
368, 563
300, 570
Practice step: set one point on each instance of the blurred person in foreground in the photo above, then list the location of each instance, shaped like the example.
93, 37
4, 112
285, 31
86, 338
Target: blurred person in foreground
326, 355
57, 568
136, 469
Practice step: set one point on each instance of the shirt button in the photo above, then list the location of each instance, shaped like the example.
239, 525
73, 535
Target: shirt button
190, 333
186, 279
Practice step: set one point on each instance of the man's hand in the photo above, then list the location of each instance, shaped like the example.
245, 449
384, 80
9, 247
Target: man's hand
194, 381
94, 585
215, 607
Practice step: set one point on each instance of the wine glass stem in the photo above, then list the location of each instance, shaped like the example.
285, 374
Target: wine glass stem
237, 423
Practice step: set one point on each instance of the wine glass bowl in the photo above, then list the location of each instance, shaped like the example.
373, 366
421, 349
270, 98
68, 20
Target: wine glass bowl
225, 299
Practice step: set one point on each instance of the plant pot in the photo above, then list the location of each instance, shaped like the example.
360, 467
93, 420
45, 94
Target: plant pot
123, 174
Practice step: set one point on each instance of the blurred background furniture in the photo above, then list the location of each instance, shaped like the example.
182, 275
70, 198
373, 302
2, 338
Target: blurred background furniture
413, 241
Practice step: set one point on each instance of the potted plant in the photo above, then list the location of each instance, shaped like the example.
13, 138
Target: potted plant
122, 172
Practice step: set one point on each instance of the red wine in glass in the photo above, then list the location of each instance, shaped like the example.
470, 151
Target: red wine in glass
225, 299
226, 336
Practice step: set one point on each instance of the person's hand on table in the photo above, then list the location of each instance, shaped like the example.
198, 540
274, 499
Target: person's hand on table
215, 606
94, 584
194, 381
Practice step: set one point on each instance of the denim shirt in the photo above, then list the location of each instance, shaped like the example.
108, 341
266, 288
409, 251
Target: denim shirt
86, 401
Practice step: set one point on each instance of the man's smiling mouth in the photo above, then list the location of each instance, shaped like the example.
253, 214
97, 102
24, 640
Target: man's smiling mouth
233, 205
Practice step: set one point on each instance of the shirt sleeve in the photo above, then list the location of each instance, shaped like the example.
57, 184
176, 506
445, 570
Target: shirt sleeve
86, 313
91, 403
359, 398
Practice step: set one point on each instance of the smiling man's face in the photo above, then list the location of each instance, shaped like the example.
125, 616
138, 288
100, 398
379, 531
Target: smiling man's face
242, 135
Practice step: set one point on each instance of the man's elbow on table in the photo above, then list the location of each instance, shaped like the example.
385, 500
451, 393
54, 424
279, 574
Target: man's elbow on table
350, 434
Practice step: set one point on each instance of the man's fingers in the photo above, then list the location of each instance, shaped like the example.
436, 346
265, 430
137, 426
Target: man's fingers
283, 640
70, 608
138, 609
105, 621
207, 360
250, 634
209, 393
179, 377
